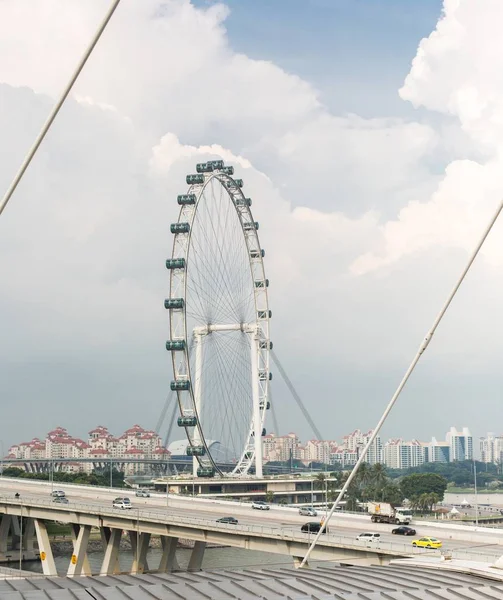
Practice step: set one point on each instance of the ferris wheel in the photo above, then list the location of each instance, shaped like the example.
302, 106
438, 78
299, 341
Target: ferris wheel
219, 324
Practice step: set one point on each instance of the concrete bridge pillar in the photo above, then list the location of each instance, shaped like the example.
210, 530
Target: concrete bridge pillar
139, 544
29, 537
79, 562
44, 546
168, 562
111, 539
5, 525
15, 532
196, 557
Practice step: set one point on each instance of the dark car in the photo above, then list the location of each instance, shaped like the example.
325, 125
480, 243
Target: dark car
312, 527
404, 531
230, 520
60, 500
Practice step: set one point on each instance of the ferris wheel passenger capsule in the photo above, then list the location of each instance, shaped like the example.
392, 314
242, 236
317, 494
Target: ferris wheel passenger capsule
262, 283
205, 472
175, 263
243, 201
256, 253
186, 421
196, 450
179, 386
250, 226
184, 199
194, 179
180, 228
173, 303
227, 170
173, 345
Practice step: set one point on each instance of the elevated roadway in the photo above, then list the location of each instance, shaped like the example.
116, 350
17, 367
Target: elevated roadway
276, 530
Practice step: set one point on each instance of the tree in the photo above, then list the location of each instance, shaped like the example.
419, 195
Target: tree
413, 486
378, 475
269, 497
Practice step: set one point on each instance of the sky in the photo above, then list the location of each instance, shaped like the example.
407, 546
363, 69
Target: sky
370, 137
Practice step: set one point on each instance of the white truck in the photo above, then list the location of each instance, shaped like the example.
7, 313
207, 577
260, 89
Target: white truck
383, 512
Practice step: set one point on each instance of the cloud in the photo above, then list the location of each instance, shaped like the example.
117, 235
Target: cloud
362, 233
457, 72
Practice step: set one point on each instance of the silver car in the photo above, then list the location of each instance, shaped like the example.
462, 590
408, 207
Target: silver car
308, 511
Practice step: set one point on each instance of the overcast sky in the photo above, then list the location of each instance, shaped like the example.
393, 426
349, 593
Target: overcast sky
370, 138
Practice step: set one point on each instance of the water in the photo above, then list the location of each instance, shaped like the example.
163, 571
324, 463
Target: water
214, 558
482, 498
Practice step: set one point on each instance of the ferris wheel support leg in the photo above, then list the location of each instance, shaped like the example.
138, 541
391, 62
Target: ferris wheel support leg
198, 343
257, 422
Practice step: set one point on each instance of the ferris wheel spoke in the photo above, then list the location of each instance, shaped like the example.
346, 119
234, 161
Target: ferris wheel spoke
239, 399
238, 388
203, 291
223, 274
212, 279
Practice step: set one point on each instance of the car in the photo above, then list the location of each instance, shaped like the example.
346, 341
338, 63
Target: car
58, 494
142, 494
403, 531
369, 537
230, 520
427, 542
308, 511
60, 500
259, 505
312, 527
122, 503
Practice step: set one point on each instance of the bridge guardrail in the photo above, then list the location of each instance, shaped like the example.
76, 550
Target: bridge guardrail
281, 533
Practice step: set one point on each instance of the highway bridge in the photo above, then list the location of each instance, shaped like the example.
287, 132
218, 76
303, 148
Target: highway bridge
174, 517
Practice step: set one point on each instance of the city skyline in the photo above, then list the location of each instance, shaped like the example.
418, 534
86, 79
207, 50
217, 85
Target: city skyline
396, 452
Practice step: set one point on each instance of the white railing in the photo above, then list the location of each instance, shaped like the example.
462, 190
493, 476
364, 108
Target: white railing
331, 539
283, 534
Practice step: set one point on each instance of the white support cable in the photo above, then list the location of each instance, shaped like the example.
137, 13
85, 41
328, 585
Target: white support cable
296, 396
50, 119
422, 348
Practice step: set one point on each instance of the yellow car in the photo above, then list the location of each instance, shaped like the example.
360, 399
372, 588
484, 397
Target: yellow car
427, 542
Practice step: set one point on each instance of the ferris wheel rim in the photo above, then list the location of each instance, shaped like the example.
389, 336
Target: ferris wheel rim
226, 182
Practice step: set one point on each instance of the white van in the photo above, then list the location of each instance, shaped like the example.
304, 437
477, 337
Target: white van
369, 538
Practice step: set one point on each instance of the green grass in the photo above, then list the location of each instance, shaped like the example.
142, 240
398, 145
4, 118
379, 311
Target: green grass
58, 529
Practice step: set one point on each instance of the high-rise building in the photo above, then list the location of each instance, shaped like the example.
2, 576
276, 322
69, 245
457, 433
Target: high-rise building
356, 442
403, 455
491, 448
438, 451
280, 448
461, 444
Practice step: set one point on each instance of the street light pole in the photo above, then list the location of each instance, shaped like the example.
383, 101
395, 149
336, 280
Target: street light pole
326, 498
476, 497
